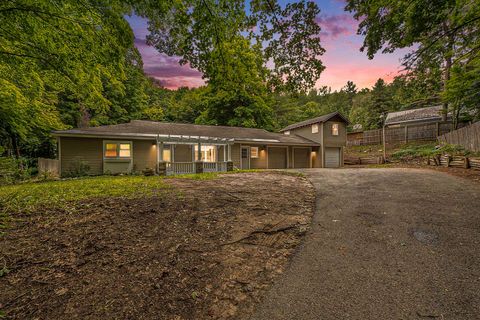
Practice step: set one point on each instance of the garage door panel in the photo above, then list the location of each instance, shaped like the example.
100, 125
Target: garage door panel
277, 158
332, 157
301, 158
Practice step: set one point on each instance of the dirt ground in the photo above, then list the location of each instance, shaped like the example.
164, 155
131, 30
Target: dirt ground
207, 249
385, 243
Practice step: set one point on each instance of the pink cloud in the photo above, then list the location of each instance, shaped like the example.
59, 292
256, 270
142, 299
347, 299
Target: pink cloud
334, 26
167, 70
363, 75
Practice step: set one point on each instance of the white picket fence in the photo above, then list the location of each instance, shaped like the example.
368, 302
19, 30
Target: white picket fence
189, 167
214, 166
180, 167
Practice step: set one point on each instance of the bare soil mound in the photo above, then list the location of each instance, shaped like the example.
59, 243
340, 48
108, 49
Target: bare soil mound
205, 249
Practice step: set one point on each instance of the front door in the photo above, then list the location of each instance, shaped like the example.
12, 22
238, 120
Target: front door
245, 157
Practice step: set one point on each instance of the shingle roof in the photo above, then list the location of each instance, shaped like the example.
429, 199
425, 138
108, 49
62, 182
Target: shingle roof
143, 128
429, 113
323, 118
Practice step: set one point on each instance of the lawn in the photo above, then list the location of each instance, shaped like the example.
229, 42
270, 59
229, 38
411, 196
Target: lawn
195, 246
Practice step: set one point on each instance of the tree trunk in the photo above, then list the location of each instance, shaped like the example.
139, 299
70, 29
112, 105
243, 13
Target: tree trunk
448, 67
446, 78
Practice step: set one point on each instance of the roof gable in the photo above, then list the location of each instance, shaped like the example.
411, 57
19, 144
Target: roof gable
324, 118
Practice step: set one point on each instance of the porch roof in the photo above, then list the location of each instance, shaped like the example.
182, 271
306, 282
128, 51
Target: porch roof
179, 132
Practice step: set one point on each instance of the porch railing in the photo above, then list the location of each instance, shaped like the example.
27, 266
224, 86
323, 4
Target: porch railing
214, 166
180, 167
189, 167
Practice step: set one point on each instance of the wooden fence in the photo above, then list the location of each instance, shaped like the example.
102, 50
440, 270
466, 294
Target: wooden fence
468, 137
401, 134
51, 166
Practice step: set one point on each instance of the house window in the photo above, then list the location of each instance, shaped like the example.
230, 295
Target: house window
110, 150
209, 153
335, 129
118, 150
315, 128
254, 152
287, 133
124, 150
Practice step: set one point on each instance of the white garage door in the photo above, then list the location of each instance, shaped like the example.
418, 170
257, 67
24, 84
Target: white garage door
332, 157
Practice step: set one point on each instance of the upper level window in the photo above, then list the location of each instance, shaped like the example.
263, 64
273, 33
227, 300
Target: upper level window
287, 133
118, 149
335, 129
254, 152
315, 128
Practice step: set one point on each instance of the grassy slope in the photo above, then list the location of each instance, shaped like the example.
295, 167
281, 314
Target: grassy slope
29, 196
408, 151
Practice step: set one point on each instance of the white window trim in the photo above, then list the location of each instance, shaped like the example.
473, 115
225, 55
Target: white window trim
287, 132
315, 128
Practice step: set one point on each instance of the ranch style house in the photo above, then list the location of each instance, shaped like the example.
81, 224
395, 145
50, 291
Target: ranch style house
175, 148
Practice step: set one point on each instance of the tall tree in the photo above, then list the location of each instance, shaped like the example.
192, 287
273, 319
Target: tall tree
438, 32
200, 32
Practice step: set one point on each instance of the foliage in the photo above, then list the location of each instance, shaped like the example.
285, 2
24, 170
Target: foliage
427, 150
13, 170
66, 63
200, 32
78, 168
441, 34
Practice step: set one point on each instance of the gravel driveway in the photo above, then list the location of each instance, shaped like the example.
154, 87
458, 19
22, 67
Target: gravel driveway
385, 244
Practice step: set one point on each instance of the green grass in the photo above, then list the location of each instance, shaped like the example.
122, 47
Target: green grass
26, 197
427, 150
30, 196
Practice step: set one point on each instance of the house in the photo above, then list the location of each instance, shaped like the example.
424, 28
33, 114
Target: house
174, 148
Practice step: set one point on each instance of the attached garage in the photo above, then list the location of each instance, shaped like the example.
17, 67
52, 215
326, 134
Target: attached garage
277, 157
301, 157
332, 157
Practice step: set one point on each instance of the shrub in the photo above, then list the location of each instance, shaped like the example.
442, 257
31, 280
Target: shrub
79, 168
13, 170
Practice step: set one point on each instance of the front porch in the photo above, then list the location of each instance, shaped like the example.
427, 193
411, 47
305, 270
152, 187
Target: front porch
193, 154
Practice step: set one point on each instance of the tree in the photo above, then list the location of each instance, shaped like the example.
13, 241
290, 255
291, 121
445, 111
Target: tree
76, 57
200, 31
236, 94
443, 31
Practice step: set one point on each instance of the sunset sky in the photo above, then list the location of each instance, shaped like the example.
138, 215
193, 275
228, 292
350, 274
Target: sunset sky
343, 59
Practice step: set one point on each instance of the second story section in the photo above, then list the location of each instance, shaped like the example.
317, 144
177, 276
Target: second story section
328, 130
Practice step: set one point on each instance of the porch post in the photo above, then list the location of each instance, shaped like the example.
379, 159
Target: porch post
161, 165
199, 151
160, 151
199, 162
229, 159
224, 153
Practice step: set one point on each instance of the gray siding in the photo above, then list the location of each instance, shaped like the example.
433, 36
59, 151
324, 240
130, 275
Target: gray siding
330, 140
144, 154
306, 132
88, 150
